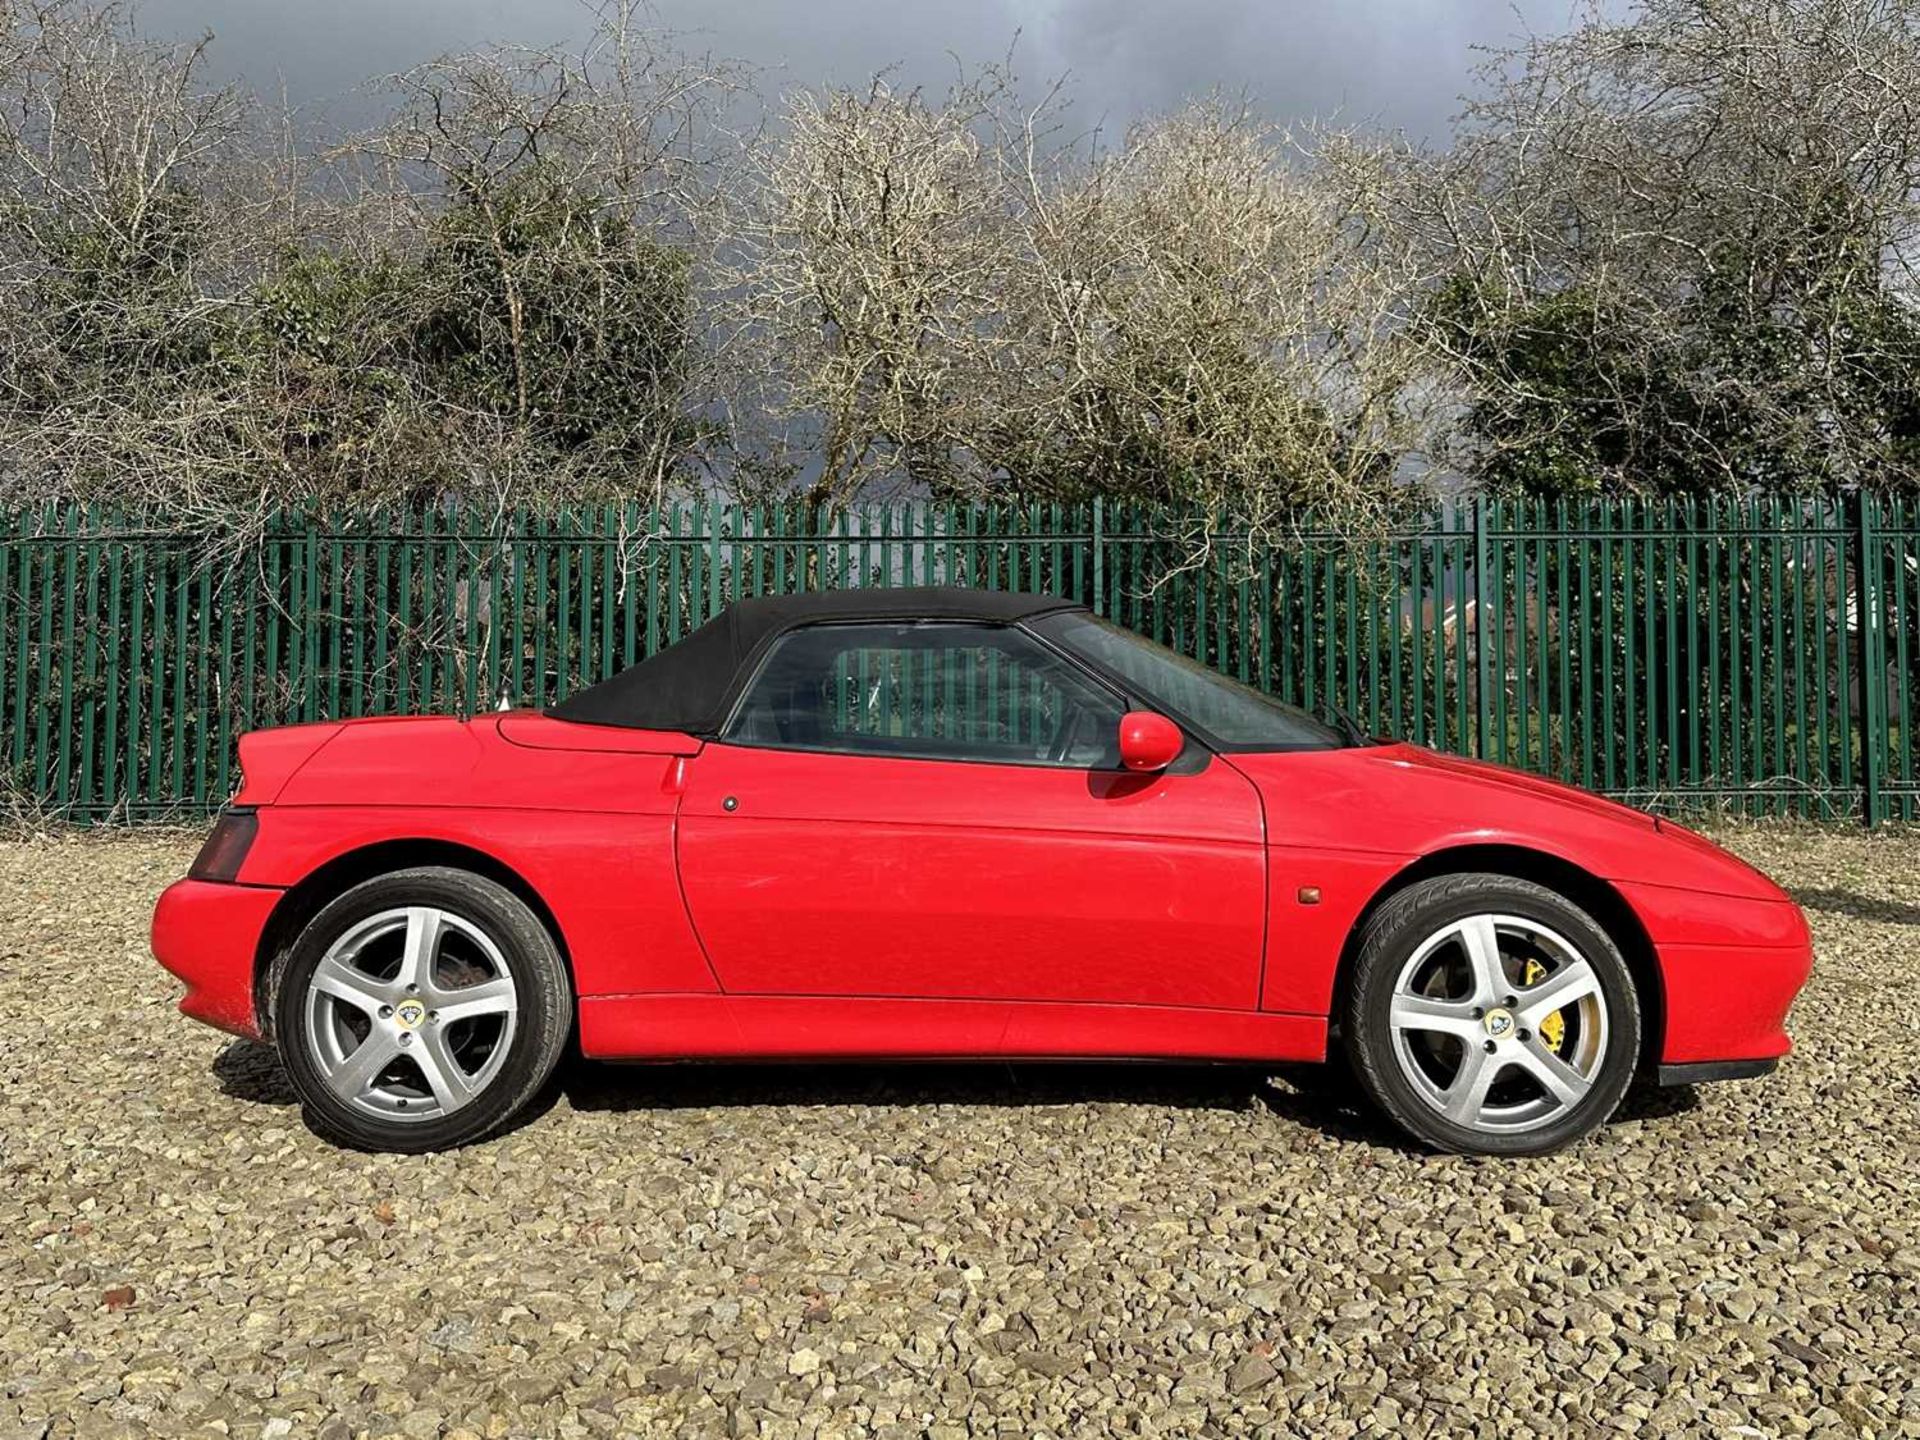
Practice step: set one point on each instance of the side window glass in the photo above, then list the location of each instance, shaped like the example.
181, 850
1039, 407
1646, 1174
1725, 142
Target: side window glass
933, 691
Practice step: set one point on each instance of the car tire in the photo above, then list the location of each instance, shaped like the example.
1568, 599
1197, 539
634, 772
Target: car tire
420, 1010
1451, 1024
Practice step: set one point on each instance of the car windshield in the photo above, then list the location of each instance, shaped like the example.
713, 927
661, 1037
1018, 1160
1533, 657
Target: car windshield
1235, 716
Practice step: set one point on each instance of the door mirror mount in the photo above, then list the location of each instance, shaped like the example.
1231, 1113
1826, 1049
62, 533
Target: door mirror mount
1149, 742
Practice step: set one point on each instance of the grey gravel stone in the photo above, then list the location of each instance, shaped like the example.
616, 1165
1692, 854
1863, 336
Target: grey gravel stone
1250, 1373
836, 1251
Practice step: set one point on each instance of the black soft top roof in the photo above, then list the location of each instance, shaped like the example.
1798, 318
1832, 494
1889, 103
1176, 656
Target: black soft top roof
689, 685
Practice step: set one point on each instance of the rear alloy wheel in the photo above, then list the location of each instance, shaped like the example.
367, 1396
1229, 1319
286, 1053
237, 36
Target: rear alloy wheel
1490, 1015
420, 1010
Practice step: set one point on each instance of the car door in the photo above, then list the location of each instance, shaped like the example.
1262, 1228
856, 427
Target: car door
937, 810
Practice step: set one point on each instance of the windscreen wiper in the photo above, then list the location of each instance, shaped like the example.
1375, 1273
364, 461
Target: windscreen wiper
1348, 727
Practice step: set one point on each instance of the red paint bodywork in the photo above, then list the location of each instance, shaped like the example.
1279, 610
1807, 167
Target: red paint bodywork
1149, 742
717, 900
862, 875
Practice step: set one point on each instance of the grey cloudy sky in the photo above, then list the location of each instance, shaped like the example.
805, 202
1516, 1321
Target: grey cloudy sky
1400, 63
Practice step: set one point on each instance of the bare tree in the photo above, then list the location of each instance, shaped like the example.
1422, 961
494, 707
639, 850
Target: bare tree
959, 299
129, 224
1664, 252
1680, 250
871, 283
496, 291
1210, 313
558, 203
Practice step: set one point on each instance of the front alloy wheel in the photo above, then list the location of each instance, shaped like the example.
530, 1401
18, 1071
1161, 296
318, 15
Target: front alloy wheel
1490, 1015
420, 1010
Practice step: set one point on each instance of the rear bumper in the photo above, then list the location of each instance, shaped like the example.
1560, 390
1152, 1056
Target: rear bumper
208, 935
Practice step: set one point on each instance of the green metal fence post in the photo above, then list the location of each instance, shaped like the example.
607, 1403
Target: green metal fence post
1099, 556
1873, 663
1482, 671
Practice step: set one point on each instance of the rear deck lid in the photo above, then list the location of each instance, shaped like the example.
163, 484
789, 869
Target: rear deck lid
534, 730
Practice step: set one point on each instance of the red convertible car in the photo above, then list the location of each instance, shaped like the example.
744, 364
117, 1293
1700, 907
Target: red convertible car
955, 823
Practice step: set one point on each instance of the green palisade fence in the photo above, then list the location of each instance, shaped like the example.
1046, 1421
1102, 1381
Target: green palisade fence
1748, 656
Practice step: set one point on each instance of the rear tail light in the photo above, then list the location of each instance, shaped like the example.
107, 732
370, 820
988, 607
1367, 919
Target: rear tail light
226, 847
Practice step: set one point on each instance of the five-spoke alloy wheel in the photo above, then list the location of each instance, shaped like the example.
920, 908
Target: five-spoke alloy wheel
421, 1009
1487, 1014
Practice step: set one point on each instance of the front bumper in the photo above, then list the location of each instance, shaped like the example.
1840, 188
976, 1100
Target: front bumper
1700, 1072
208, 934
1730, 968
1729, 1002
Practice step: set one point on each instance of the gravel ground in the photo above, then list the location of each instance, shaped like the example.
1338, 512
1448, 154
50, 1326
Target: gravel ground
940, 1251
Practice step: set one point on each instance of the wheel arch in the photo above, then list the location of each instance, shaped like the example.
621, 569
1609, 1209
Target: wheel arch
1582, 887
341, 873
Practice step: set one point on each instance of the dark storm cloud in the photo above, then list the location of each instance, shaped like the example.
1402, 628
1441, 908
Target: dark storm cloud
325, 51
1399, 63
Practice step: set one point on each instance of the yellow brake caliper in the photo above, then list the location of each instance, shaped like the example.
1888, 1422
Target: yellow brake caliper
1553, 1029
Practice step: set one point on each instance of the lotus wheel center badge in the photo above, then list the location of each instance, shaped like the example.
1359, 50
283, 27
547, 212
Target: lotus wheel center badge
1499, 1023
409, 1013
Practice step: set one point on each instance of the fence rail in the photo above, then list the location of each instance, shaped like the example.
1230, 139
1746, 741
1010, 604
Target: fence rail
1749, 656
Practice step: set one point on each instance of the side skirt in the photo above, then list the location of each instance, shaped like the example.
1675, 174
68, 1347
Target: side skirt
702, 1027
